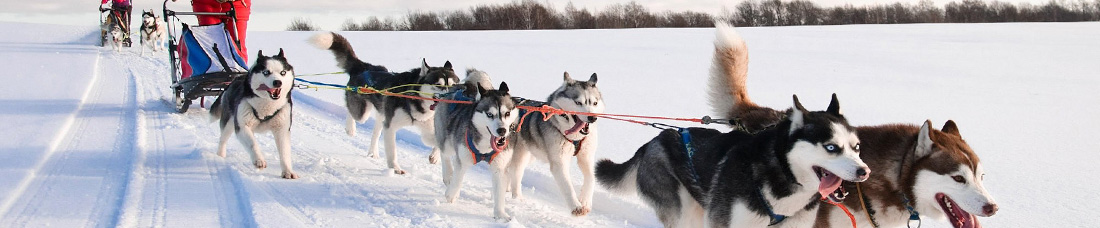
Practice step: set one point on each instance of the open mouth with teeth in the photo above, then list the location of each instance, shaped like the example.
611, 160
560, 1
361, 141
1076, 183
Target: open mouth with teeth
498, 143
957, 216
578, 126
274, 93
830, 185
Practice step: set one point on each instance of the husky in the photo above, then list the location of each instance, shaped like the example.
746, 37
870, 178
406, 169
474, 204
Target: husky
562, 137
935, 171
115, 37
471, 133
393, 112
695, 176
259, 102
153, 32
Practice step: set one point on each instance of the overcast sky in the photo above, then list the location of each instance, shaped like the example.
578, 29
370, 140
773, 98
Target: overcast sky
273, 15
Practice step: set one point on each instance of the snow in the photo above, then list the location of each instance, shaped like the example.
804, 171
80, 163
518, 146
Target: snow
89, 139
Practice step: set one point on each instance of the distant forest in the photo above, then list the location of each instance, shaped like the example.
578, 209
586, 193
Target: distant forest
531, 14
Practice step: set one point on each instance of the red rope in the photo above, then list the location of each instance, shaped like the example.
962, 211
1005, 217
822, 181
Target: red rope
841, 206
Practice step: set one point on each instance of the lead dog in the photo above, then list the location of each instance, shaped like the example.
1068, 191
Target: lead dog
259, 102
934, 170
471, 133
562, 137
393, 112
740, 179
153, 32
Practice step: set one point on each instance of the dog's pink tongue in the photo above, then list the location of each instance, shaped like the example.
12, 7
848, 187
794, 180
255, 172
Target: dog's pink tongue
829, 184
577, 125
493, 144
968, 220
265, 88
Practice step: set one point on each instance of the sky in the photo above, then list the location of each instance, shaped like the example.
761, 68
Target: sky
275, 15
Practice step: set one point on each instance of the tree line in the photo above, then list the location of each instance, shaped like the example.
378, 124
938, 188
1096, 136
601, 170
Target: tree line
531, 14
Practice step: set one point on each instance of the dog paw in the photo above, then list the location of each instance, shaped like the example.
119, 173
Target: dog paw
503, 218
289, 175
433, 159
351, 132
581, 211
399, 172
260, 164
221, 153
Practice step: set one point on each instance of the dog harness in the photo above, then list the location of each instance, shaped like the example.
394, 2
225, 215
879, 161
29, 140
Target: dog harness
265, 119
477, 155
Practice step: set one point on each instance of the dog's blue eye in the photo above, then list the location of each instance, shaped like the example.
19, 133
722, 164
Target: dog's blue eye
832, 148
267, 72
490, 115
579, 103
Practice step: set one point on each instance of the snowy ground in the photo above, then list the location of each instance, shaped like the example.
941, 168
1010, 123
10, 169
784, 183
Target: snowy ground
89, 141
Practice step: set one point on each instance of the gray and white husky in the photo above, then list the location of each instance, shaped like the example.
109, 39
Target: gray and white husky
153, 32
740, 179
468, 134
259, 102
114, 37
936, 171
393, 112
562, 137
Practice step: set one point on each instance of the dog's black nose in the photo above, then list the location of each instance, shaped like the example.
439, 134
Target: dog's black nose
591, 119
989, 209
862, 172
277, 83
501, 131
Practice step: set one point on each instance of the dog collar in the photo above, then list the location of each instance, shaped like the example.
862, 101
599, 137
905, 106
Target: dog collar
576, 145
477, 155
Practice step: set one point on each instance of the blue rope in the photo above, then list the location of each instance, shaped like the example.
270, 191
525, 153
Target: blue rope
685, 136
913, 215
320, 83
775, 218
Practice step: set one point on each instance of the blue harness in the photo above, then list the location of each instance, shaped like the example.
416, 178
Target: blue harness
478, 156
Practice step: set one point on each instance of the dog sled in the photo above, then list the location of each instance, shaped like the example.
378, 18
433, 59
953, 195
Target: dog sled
203, 59
109, 18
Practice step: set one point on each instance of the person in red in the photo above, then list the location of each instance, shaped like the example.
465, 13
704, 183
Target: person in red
123, 8
242, 9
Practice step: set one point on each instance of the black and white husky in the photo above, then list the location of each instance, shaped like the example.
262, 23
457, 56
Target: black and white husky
393, 112
562, 137
153, 32
259, 102
740, 179
933, 172
114, 37
468, 134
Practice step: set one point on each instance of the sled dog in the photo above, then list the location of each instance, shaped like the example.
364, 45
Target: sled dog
259, 102
696, 176
560, 138
468, 134
153, 32
935, 171
393, 112
115, 37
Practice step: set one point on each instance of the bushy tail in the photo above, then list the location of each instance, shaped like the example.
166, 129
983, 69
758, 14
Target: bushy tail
216, 109
728, 73
621, 178
479, 77
340, 47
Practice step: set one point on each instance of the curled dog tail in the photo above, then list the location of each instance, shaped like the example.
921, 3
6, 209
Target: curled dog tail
341, 48
621, 178
479, 77
728, 73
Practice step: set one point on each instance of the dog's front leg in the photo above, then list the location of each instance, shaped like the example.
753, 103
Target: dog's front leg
248, 139
515, 171
456, 180
282, 141
375, 135
499, 182
584, 162
427, 135
448, 165
390, 134
560, 170
227, 131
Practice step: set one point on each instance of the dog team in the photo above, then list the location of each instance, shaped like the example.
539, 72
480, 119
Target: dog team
778, 167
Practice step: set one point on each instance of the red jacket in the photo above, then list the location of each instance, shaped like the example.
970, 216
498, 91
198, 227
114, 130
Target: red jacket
117, 2
242, 7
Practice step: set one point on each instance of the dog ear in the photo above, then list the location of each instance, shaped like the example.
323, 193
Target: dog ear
469, 90
260, 53
503, 87
447, 65
592, 79
924, 140
280, 55
834, 106
567, 79
796, 116
423, 67
951, 128
480, 91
